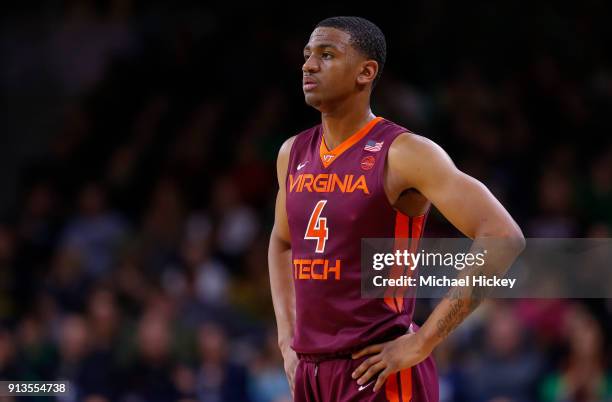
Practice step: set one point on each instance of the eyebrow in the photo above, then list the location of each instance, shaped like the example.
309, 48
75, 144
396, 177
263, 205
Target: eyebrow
323, 45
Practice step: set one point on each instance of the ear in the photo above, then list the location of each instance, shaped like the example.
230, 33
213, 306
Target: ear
369, 70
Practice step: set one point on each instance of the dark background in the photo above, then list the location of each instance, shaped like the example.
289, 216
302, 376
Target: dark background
137, 168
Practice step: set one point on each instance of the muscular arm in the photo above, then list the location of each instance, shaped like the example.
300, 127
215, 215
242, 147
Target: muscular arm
416, 162
279, 258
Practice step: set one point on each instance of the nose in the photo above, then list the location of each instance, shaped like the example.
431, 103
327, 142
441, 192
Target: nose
310, 65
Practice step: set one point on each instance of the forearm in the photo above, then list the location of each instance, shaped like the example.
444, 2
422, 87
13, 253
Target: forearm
461, 301
282, 288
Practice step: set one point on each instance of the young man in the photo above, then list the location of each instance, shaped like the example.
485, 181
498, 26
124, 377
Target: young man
358, 176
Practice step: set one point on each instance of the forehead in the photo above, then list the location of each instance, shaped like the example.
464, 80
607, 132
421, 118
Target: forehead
329, 36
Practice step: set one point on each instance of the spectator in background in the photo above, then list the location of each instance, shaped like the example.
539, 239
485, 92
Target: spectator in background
36, 353
250, 291
67, 281
402, 101
268, 380
555, 206
73, 348
104, 319
196, 279
150, 377
34, 244
162, 226
8, 365
596, 195
450, 370
217, 379
238, 224
84, 40
252, 172
191, 152
507, 368
582, 375
105, 344
7, 274
37, 223
132, 286
544, 318
86, 348
95, 231
198, 274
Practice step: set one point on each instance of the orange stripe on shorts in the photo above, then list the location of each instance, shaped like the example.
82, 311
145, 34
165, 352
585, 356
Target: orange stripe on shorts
406, 381
391, 391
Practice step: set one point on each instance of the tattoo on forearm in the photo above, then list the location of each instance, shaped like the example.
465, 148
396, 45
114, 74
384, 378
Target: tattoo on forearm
452, 319
464, 301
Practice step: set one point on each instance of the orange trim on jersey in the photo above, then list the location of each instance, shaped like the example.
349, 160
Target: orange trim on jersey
403, 241
406, 384
415, 231
327, 156
408, 231
400, 243
391, 391
417, 226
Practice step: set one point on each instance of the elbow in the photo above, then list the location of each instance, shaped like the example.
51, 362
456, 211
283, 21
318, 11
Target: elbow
519, 243
522, 242
508, 237
514, 239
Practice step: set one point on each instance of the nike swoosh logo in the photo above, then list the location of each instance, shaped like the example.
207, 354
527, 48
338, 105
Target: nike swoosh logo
301, 165
365, 386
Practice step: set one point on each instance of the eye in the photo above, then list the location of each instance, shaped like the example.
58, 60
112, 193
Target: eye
326, 55
306, 56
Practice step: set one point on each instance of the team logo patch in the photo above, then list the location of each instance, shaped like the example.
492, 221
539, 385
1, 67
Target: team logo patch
373, 146
367, 162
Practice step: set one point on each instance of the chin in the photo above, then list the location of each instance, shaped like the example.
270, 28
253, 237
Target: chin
312, 100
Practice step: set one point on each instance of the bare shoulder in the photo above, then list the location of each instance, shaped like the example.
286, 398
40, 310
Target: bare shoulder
413, 158
416, 146
283, 159
285, 149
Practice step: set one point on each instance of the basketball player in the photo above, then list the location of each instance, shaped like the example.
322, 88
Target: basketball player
357, 176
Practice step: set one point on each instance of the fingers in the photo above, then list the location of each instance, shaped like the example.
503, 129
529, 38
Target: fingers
368, 350
290, 373
371, 372
365, 365
291, 381
382, 377
292, 387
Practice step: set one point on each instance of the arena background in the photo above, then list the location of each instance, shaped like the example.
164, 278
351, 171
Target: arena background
138, 144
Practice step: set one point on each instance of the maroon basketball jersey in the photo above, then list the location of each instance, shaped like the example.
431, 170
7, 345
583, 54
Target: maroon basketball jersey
334, 199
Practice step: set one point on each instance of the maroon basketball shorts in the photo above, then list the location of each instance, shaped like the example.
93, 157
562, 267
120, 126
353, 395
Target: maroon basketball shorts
319, 379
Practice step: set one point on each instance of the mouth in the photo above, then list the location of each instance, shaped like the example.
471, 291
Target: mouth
309, 84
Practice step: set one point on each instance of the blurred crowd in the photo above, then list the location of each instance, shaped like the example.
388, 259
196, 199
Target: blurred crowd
133, 245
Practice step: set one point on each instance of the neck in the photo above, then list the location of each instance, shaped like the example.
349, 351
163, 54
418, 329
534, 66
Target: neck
340, 124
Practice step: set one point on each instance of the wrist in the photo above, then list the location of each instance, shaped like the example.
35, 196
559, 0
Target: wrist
427, 344
284, 343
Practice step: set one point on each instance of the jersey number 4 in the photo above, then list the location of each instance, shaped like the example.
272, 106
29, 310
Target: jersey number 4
317, 227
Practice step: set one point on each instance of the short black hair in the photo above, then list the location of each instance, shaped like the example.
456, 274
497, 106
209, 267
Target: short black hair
366, 37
